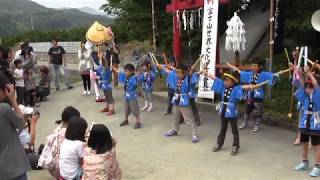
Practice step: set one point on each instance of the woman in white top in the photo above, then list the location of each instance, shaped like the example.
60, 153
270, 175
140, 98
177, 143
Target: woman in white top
85, 65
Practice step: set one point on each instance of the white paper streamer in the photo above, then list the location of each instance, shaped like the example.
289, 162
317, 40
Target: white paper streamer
235, 34
184, 19
300, 56
191, 22
306, 56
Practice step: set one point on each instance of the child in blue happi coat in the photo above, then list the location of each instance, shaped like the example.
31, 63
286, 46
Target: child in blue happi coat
130, 81
181, 101
194, 78
255, 98
147, 78
104, 73
308, 94
231, 94
169, 71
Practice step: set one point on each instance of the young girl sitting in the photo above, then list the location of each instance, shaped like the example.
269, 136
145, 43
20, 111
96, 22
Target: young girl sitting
147, 78
99, 159
71, 151
43, 88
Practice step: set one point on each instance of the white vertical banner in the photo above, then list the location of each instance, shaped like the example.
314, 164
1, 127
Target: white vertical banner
209, 46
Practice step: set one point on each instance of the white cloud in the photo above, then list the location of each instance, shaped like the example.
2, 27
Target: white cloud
95, 4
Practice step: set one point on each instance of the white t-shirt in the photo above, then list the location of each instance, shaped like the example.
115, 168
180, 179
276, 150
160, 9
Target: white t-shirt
70, 153
18, 73
17, 55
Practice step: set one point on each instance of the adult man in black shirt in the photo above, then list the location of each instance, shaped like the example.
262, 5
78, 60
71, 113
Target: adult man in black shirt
58, 63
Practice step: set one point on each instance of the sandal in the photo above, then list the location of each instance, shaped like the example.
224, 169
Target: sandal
124, 123
171, 133
217, 148
234, 151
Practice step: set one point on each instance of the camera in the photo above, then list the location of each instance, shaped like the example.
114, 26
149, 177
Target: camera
28, 112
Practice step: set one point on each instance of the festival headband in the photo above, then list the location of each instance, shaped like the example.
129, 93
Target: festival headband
308, 81
230, 76
254, 64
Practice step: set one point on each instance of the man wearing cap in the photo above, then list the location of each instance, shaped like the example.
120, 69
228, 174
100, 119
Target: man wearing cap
58, 63
255, 98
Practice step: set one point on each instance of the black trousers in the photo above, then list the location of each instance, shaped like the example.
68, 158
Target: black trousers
223, 131
170, 96
20, 94
194, 110
30, 97
86, 82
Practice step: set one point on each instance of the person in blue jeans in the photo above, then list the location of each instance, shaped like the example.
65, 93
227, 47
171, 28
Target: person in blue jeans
231, 93
58, 64
308, 94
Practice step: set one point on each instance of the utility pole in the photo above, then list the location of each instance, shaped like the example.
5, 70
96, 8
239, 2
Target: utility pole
31, 22
154, 29
271, 41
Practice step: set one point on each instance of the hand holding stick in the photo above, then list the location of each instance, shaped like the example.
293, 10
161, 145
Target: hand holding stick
233, 67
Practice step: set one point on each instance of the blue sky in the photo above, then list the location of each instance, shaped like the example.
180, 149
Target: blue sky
95, 4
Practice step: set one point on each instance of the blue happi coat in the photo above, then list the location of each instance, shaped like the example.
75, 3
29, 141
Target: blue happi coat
305, 100
171, 78
147, 79
105, 77
131, 87
193, 83
184, 95
246, 77
235, 96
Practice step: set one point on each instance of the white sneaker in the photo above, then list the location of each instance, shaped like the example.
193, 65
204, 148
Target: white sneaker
150, 108
84, 93
88, 93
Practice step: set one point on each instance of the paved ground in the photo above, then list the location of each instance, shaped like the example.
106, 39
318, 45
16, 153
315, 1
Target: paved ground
147, 154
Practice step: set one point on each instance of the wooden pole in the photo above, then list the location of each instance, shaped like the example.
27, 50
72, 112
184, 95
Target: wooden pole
237, 58
154, 28
271, 40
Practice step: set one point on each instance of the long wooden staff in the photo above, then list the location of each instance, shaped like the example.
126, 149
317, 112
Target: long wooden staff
165, 58
292, 88
260, 84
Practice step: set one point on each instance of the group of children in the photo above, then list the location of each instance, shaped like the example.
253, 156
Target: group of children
75, 151
29, 90
235, 86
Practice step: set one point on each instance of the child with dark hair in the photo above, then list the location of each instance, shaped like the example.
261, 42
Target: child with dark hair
31, 88
71, 151
104, 72
231, 93
59, 135
255, 98
43, 88
308, 94
99, 159
181, 100
169, 71
130, 81
147, 78
19, 81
